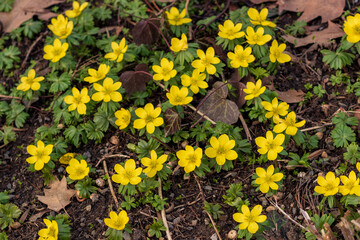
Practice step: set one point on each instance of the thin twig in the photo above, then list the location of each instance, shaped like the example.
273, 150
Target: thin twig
247, 132
9, 97
31, 48
110, 185
111, 156
163, 214
166, 41
316, 127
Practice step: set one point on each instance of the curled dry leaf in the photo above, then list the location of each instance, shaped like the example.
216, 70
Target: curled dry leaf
135, 81
289, 96
145, 32
172, 121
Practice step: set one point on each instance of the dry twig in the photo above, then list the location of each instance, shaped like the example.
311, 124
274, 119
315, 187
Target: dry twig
163, 214
110, 185
111, 156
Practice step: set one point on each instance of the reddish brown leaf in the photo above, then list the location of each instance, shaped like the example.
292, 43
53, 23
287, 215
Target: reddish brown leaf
289, 96
145, 32
326, 9
24, 10
172, 121
235, 82
58, 196
135, 81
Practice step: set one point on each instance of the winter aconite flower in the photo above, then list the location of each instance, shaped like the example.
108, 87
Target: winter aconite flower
351, 184
270, 145
189, 158
249, 219
176, 18
275, 110
206, 61
149, 118
117, 221
178, 45
358, 166
40, 154
230, 31
253, 90
107, 92
118, 51
276, 53
196, 81
56, 51
128, 174
257, 37
153, 164
165, 71
97, 75
77, 9
221, 149
352, 28
178, 96
77, 170
329, 185
50, 232
240, 57
289, 124
257, 18
266, 179
61, 26
30, 82
78, 100
65, 159
123, 118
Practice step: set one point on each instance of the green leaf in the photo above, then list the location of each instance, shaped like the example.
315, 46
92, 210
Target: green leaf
342, 135
60, 83
31, 28
343, 119
73, 134
16, 114
6, 5
7, 135
352, 153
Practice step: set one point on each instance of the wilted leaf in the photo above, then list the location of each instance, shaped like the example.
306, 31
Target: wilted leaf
289, 96
172, 121
321, 37
218, 108
58, 196
134, 81
145, 32
326, 9
24, 10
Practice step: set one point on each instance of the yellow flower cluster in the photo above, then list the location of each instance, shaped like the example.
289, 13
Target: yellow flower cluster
330, 185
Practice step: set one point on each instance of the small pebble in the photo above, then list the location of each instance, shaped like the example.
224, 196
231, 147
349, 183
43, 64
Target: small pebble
88, 208
206, 221
214, 237
61, 169
232, 235
177, 220
94, 197
100, 182
82, 224
208, 188
270, 208
194, 222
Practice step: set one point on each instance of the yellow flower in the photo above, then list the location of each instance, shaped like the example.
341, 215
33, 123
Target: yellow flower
129, 174
289, 124
149, 118
189, 158
107, 92
206, 61
153, 164
65, 159
270, 145
30, 82
78, 100
176, 18
123, 118
117, 221
40, 154
240, 57
329, 185
56, 51
352, 28
253, 90
275, 110
196, 81
257, 37
276, 53
358, 166
229, 31
351, 184
257, 18
77, 9
61, 26
178, 96
164, 71
50, 232
266, 179
97, 75
249, 219
77, 170
221, 149
118, 51
178, 45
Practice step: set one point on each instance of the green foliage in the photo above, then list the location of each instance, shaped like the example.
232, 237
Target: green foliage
213, 209
135, 9
339, 78
298, 28
8, 135
9, 57
352, 153
8, 212
144, 148
338, 59
319, 91
85, 187
156, 228
63, 226
319, 223
6, 5
342, 135
75, 134
16, 114
296, 160
234, 195
342, 119
4, 197
59, 83
3, 236
156, 202
128, 203
30, 28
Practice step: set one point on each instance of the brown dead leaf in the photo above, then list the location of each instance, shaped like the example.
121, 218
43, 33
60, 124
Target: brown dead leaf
320, 38
135, 81
326, 9
289, 96
58, 196
172, 121
24, 10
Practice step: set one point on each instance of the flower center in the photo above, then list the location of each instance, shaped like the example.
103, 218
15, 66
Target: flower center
57, 51
178, 99
80, 170
221, 151
129, 174
192, 158
166, 71
357, 28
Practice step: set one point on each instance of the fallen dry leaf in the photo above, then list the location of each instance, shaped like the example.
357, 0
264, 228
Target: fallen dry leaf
24, 10
326, 9
172, 121
289, 96
320, 38
135, 81
145, 32
58, 196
